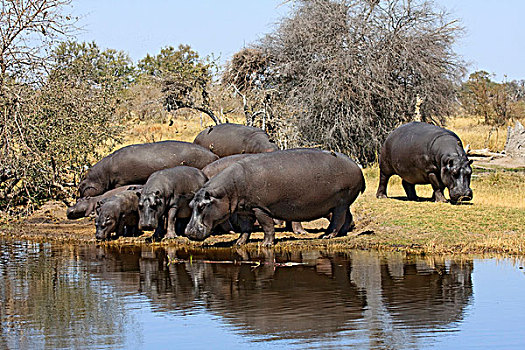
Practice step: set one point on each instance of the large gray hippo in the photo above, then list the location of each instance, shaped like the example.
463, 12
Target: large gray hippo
165, 198
227, 139
134, 164
219, 165
292, 185
85, 206
421, 153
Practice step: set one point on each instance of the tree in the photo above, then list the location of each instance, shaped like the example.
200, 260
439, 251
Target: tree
57, 103
185, 78
477, 95
28, 29
98, 68
351, 71
497, 103
245, 75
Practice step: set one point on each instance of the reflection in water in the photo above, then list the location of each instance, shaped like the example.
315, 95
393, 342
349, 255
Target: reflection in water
87, 296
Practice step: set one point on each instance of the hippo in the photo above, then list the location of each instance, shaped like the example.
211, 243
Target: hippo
165, 198
291, 185
85, 206
117, 214
219, 165
227, 139
421, 153
135, 163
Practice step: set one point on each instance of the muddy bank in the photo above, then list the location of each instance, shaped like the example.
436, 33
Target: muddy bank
50, 224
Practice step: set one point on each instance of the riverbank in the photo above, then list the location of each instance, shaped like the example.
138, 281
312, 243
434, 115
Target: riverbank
494, 222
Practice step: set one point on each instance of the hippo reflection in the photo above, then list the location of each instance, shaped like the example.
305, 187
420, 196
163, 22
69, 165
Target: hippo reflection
327, 293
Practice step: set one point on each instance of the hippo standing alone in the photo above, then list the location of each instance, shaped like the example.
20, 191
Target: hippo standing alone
135, 163
294, 185
165, 198
227, 139
421, 153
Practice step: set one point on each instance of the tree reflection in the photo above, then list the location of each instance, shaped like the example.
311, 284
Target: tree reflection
50, 300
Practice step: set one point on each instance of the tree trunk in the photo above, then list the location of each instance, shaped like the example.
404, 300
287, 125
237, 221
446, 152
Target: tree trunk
515, 145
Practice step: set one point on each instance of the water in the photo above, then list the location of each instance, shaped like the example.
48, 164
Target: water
89, 297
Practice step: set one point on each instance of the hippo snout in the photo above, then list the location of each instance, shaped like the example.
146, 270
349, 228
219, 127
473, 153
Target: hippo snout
101, 235
147, 225
463, 197
196, 232
72, 213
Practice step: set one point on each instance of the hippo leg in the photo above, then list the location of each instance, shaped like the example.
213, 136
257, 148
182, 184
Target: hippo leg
410, 190
348, 225
337, 222
267, 225
131, 230
245, 223
383, 183
171, 231
296, 227
180, 226
438, 188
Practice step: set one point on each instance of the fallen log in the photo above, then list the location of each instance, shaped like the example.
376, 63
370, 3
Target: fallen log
483, 153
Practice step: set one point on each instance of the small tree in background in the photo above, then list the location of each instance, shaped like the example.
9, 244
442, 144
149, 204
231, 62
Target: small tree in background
351, 71
185, 78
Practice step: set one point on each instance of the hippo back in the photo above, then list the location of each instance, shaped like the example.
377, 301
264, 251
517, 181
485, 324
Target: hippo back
227, 139
134, 164
418, 145
220, 164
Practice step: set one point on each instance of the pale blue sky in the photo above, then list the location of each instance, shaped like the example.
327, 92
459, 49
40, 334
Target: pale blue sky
494, 40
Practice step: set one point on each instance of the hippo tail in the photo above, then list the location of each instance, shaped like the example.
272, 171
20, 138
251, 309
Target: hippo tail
363, 186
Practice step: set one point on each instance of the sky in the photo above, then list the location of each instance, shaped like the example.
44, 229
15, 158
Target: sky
494, 38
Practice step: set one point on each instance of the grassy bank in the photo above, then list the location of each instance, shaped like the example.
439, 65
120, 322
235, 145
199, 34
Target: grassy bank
494, 222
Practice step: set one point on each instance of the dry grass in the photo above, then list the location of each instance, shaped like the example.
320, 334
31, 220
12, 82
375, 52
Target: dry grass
181, 128
473, 132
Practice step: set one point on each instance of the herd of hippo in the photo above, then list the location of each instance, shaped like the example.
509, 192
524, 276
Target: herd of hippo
232, 176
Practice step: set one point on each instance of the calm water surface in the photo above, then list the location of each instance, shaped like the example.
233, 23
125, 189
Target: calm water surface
89, 297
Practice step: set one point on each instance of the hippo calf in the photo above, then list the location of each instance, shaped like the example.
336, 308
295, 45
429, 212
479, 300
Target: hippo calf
165, 198
135, 163
292, 185
421, 153
117, 214
227, 139
85, 206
